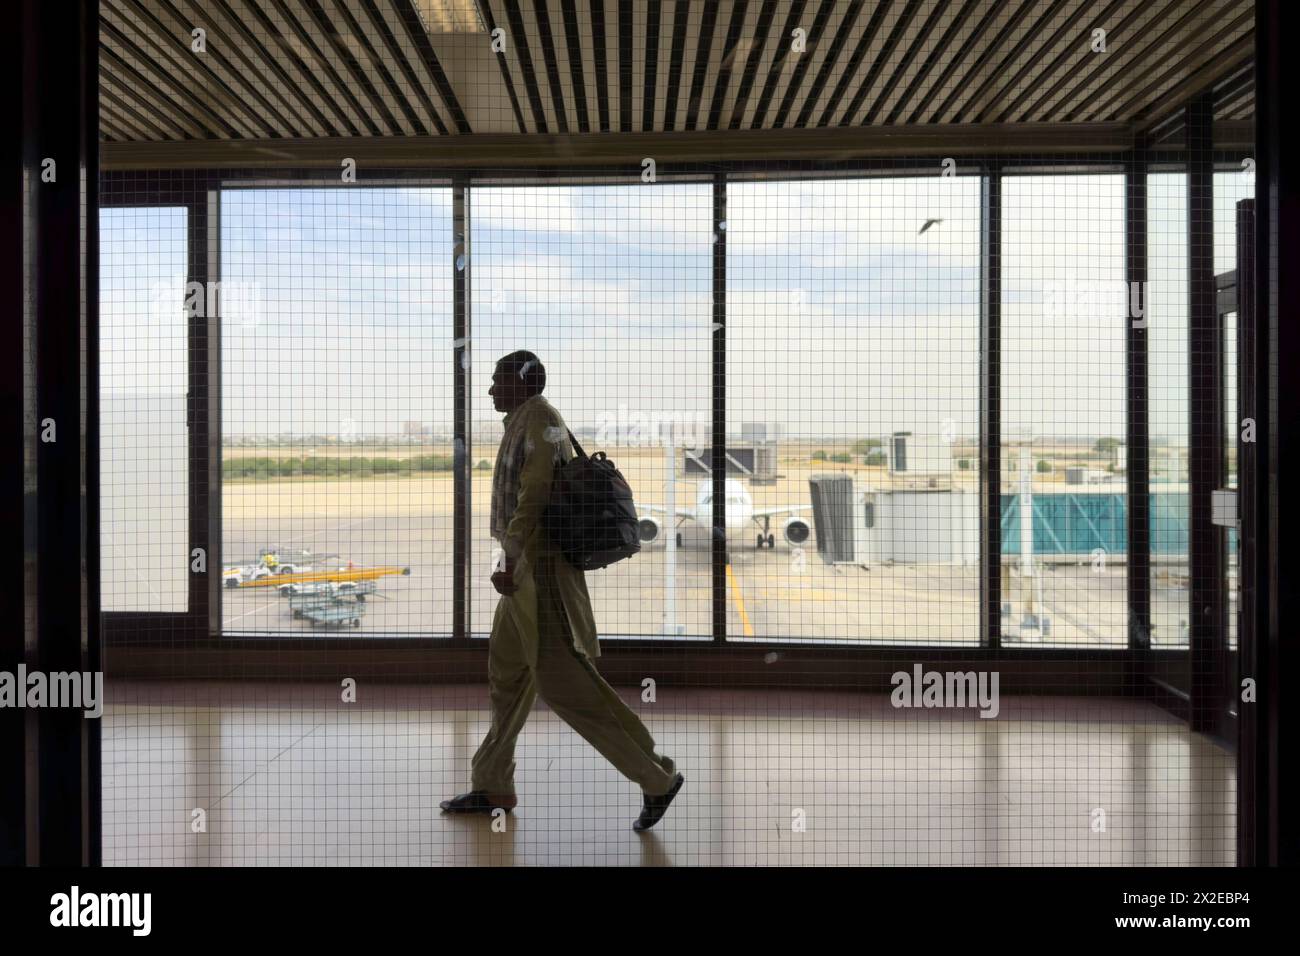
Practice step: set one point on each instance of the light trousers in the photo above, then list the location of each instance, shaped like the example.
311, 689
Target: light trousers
568, 681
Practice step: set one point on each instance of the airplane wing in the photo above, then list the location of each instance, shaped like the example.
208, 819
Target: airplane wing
769, 512
655, 509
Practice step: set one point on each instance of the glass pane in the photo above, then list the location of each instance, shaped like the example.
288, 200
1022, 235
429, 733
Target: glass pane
853, 380
1064, 421
144, 440
1167, 344
1229, 189
336, 409
610, 287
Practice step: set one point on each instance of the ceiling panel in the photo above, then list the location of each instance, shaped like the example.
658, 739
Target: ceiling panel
297, 69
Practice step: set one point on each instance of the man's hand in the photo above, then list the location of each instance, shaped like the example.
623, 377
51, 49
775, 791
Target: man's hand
504, 579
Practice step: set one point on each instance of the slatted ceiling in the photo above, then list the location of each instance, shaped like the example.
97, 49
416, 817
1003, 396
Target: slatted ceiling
413, 64
674, 60
1161, 69
791, 79
134, 84
144, 50
1030, 57
1134, 69
1152, 30
906, 60
661, 21
782, 65
1068, 56
840, 79
580, 68
938, 49
891, 39
729, 35
975, 24
757, 59
529, 71
904, 47
621, 63
577, 37
130, 73
738, 41
270, 51
1009, 22
733, 66
598, 76
1024, 58
559, 78
385, 59
1060, 81
1060, 78
372, 68
373, 95
299, 32
120, 114
508, 63
1237, 97
1206, 61
244, 67
537, 19
814, 68
704, 42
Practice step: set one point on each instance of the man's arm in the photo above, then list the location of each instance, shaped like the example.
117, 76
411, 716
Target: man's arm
534, 487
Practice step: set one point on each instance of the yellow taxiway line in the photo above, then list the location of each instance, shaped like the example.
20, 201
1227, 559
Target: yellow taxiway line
356, 574
740, 602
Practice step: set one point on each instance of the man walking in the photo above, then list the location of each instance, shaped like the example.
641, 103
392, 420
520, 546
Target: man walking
543, 633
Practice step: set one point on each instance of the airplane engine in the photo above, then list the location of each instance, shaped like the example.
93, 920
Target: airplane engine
796, 530
648, 529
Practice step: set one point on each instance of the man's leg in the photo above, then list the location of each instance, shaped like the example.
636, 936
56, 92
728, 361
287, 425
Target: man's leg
569, 682
512, 691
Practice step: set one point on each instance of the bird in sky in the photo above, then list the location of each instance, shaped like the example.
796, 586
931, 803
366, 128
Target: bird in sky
928, 224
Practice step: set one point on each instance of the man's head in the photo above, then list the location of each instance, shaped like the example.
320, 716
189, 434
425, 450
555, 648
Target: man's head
517, 377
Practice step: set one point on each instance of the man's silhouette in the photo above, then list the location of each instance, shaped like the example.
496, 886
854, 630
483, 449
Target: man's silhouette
543, 632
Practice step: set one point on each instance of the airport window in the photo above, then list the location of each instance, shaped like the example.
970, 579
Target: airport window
144, 444
1166, 322
1229, 189
609, 285
1064, 420
853, 366
336, 392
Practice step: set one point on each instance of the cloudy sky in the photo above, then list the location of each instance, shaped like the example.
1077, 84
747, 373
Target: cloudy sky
843, 321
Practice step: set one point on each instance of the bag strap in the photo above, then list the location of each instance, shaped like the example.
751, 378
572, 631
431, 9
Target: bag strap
576, 446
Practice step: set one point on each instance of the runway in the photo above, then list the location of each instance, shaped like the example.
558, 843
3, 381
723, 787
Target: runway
773, 594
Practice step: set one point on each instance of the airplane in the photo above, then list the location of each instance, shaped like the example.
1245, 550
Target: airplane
740, 512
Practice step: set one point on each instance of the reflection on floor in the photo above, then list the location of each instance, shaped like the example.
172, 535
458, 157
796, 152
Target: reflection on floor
289, 775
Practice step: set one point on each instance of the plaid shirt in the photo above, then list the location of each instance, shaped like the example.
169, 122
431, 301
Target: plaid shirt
521, 481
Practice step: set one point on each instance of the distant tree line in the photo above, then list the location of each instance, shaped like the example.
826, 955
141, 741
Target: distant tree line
320, 467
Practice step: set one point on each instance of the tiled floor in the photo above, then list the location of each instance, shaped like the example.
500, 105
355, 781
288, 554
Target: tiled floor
288, 774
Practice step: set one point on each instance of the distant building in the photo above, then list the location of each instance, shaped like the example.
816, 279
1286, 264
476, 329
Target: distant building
759, 432
912, 454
